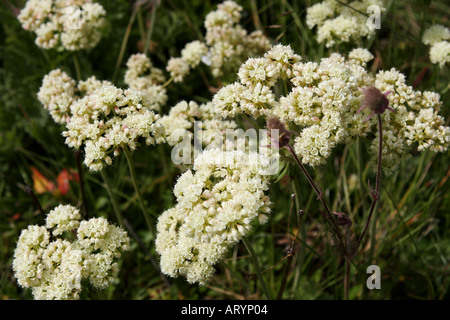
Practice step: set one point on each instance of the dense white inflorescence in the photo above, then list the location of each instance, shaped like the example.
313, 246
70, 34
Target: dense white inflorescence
217, 202
108, 120
323, 100
54, 267
141, 75
438, 38
342, 22
102, 118
227, 44
57, 94
64, 25
180, 123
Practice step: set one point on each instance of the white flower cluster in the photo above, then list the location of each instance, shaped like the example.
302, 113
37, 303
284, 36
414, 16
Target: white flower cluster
141, 75
438, 38
179, 124
324, 100
107, 120
416, 121
217, 203
57, 94
59, 91
54, 267
64, 24
100, 116
227, 44
253, 93
338, 22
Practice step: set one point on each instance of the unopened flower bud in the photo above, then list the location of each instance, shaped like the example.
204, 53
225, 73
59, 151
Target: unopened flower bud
284, 135
376, 101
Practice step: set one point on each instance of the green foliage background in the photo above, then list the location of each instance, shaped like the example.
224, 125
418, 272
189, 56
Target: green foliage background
409, 238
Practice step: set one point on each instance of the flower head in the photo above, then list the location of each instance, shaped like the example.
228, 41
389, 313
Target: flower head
53, 268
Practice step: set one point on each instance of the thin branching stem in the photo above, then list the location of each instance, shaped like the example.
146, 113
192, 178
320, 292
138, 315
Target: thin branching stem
374, 193
146, 250
81, 182
150, 29
124, 42
77, 67
109, 188
30, 192
348, 261
290, 254
320, 196
165, 84
257, 267
129, 157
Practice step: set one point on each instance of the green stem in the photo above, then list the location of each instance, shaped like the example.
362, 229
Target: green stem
150, 29
29, 190
374, 193
290, 254
348, 261
124, 42
111, 196
127, 153
81, 183
77, 67
165, 84
257, 267
328, 216
252, 121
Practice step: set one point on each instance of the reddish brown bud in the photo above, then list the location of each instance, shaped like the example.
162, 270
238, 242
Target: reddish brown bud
284, 135
376, 101
343, 220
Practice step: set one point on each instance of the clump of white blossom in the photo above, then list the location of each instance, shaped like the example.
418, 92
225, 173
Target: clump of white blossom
99, 116
217, 204
54, 265
323, 100
190, 122
108, 120
143, 76
59, 91
337, 22
57, 94
438, 38
64, 24
227, 44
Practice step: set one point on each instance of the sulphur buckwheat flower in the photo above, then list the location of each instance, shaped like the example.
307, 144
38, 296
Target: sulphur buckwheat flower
337, 22
217, 202
54, 267
438, 38
57, 93
227, 44
64, 25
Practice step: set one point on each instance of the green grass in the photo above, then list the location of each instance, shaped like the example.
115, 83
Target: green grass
408, 237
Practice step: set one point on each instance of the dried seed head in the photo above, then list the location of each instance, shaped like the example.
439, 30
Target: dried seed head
343, 220
376, 101
284, 135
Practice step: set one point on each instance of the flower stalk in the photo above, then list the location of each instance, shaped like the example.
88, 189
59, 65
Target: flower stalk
115, 205
147, 217
82, 190
257, 267
375, 194
320, 196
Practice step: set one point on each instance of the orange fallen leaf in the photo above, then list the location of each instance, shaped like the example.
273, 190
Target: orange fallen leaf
40, 183
63, 182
